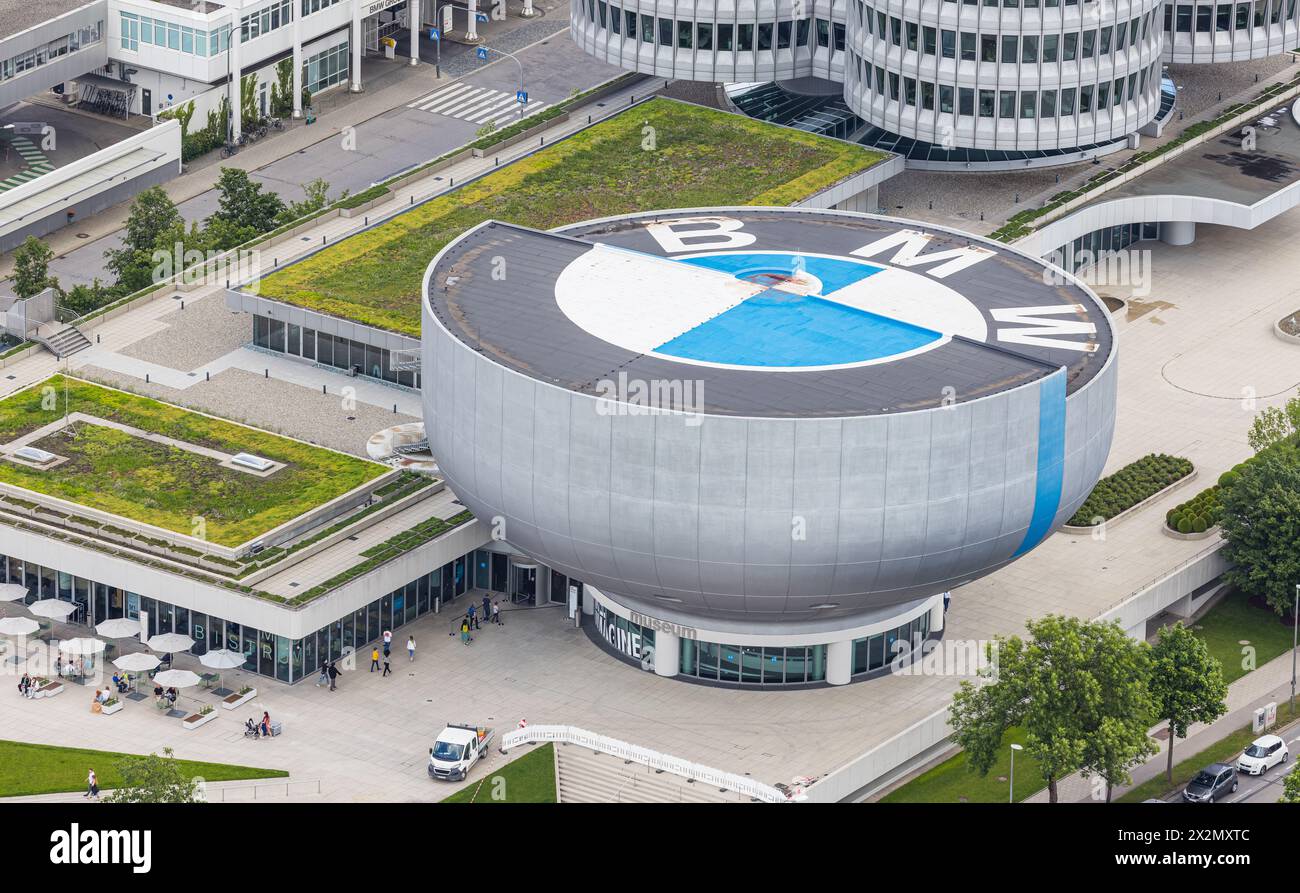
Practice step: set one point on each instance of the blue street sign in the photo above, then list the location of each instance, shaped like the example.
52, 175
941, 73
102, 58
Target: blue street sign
521, 96
435, 34
481, 52
480, 16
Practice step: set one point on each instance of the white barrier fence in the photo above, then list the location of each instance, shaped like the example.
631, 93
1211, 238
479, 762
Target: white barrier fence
646, 757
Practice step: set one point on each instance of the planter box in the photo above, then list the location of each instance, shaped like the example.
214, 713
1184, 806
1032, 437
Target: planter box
110, 709
1133, 509
230, 702
49, 690
194, 720
1204, 534
364, 207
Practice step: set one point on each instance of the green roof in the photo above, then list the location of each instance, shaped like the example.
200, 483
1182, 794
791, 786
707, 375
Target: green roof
657, 155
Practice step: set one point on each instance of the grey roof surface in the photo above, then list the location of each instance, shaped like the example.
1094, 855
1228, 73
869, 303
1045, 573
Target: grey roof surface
516, 320
1221, 169
19, 15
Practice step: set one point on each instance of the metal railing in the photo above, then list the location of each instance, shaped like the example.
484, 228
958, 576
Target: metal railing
280, 785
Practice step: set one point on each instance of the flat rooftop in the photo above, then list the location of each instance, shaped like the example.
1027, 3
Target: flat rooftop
151, 463
1222, 169
659, 154
16, 17
792, 324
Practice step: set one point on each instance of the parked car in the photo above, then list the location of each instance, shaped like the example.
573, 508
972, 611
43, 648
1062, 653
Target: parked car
1266, 752
1214, 782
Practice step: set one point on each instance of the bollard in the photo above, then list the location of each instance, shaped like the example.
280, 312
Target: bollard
207, 376
394, 409
589, 119
451, 181
367, 220
182, 305
322, 240
412, 200
496, 161
276, 261
267, 373
322, 389
97, 339
146, 378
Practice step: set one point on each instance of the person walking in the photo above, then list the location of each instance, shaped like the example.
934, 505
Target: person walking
487, 609
334, 676
473, 616
496, 612
324, 677
464, 631
92, 784
374, 659
388, 649
388, 670
410, 646
388, 640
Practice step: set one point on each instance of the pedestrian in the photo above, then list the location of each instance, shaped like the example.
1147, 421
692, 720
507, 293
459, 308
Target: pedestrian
464, 631
324, 678
388, 639
388, 670
334, 676
487, 609
473, 616
410, 646
92, 784
496, 612
374, 659
388, 649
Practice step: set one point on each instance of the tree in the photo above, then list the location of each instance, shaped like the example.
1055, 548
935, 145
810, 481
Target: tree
155, 779
1275, 425
1261, 526
243, 204
32, 268
316, 196
1291, 786
1073, 681
82, 299
152, 214
1186, 684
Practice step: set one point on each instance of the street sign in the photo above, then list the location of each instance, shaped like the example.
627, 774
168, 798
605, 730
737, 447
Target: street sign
435, 34
480, 16
521, 96
481, 52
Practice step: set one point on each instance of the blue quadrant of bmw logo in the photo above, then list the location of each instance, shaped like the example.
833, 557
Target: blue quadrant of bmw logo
787, 327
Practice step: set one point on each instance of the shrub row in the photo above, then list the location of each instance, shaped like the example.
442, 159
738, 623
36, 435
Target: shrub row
1197, 514
1130, 485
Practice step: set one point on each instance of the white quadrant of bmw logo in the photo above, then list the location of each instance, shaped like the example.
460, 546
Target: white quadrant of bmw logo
763, 310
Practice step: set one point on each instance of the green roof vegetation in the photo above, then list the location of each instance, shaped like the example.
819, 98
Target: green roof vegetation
164, 485
660, 154
529, 779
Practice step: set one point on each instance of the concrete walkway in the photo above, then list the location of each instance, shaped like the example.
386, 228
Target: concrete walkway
1271, 682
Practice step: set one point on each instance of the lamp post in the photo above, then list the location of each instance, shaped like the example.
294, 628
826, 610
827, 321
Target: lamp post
1295, 635
1011, 787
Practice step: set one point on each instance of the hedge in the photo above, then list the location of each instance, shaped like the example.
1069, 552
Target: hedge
1130, 485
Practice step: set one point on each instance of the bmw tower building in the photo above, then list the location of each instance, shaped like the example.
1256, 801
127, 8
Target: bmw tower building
948, 83
767, 441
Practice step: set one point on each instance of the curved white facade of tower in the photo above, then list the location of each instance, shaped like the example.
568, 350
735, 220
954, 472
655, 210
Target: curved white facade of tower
1004, 77
1206, 32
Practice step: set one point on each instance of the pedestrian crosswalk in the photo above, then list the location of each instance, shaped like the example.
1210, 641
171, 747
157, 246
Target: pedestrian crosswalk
477, 105
34, 161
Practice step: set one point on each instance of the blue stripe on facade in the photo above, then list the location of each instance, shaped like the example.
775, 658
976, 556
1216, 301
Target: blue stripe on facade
1051, 460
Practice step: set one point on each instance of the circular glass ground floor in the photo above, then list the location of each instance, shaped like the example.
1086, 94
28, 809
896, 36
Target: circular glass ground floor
730, 658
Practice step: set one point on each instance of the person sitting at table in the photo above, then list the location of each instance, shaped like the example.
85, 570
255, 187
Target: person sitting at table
158, 691
121, 682
172, 695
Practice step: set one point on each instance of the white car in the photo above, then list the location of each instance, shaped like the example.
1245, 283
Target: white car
1265, 753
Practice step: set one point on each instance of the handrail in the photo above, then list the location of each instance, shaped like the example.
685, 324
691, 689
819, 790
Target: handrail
643, 755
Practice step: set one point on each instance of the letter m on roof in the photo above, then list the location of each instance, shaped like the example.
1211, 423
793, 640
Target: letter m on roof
910, 244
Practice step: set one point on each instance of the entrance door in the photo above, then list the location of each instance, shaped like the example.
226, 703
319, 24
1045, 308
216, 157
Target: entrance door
524, 585
146, 102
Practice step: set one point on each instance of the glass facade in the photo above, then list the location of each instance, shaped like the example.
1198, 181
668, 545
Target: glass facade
266, 654
1098, 244
874, 653
329, 350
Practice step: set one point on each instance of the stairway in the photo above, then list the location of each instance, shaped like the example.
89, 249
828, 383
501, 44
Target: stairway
585, 776
64, 342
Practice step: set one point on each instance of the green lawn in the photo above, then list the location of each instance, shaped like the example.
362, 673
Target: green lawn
953, 782
1235, 620
159, 484
1225, 751
693, 157
27, 769
529, 779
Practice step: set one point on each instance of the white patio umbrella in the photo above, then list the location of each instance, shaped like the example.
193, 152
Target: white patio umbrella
11, 592
53, 608
169, 643
18, 626
118, 628
82, 646
137, 662
221, 659
177, 678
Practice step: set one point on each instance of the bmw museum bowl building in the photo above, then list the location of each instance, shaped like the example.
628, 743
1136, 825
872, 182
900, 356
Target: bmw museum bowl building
767, 441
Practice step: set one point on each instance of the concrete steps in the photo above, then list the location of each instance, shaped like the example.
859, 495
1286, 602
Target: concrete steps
585, 776
65, 342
